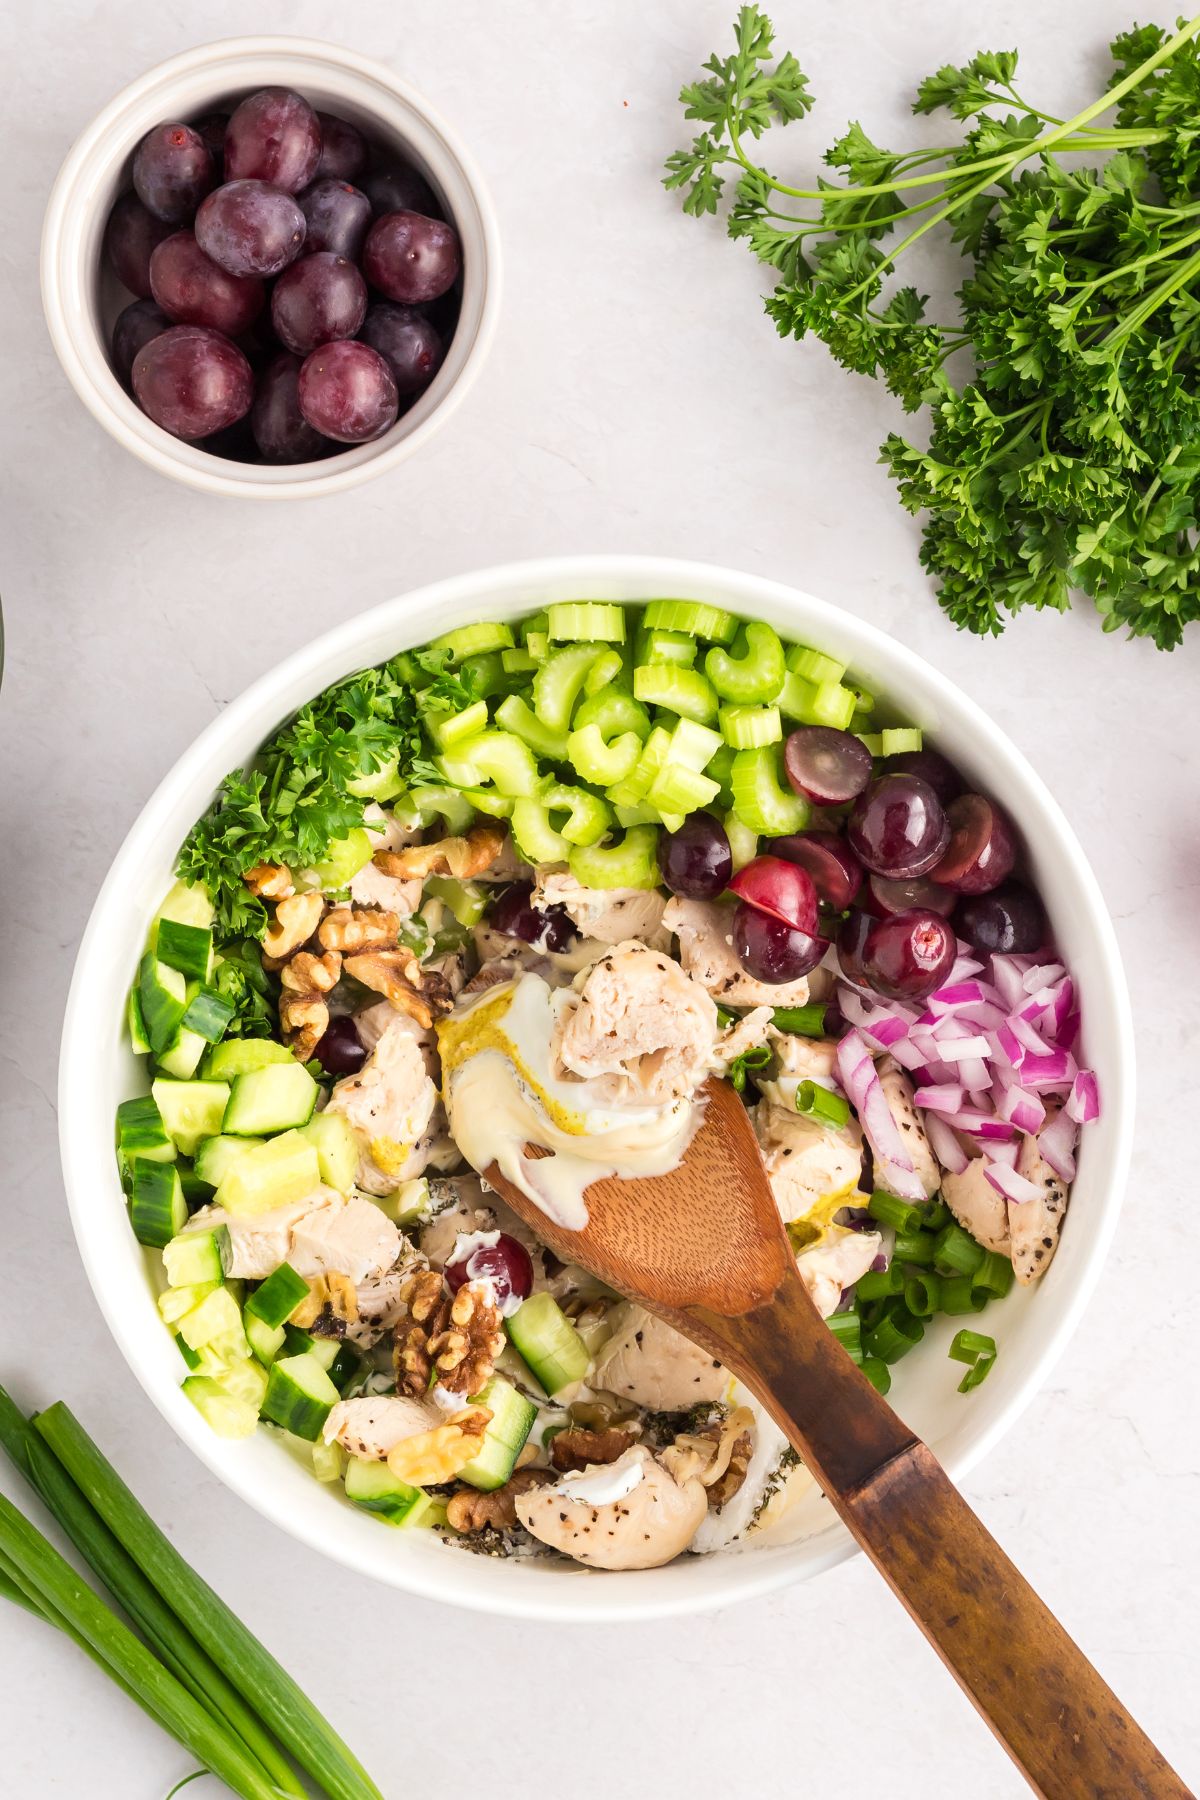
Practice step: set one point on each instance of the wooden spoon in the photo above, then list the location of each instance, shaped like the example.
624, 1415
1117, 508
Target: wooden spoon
704, 1247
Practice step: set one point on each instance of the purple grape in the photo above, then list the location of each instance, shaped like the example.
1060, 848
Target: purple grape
907, 955
930, 766
194, 290
898, 827
343, 149
234, 444
172, 172
273, 136
280, 429
249, 228
696, 860
506, 1264
851, 939
318, 300
410, 345
212, 129
338, 216
192, 381
827, 766
982, 847
399, 188
131, 237
411, 258
545, 927
340, 1051
347, 392
769, 949
916, 890
141, 321
835, 870
1010, 920
781, 888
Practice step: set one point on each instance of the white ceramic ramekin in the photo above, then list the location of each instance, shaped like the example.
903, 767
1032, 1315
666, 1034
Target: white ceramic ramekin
82, 297
98, 1070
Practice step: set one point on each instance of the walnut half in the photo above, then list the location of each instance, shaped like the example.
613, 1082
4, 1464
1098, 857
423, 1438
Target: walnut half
454, 1342
468, 1510
581, 1449
458, 856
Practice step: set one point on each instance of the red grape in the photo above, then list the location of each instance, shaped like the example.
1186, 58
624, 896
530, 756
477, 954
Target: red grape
909, 954
343, 148
835, 870
898, 827
131, 237
408, 342
338, 216
411, 258
140, 321
982, 848
545, 927
851, 939
917, 890
250, 228
769, 949
506, 1264
194, 290
212, 129
192, 381
273, 136
930, 766
340, 1051
280, 429
828, 767
347, 392
399, 189
696, 860
1010, 920
172, 172
318, 300
780, 888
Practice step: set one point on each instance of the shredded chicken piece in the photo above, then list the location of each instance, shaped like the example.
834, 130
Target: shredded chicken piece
641, 1019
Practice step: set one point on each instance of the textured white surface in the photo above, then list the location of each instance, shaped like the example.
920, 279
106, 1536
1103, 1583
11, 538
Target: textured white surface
635, 400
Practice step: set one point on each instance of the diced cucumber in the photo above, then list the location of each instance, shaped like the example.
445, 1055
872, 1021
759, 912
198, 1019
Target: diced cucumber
137, 1024
284, 1169
217, 1316
277, 1098
337, 1147
182, 1057
185, 904
141, 1132
405, 1203
549, 1343
277, 1298
265, 1340
372, 1486
238, 1056
511, 1422
244, 1379
175, 1303
193, 1256
164, 996
188, 948
191, 1357
300, 1396
157, 1208
227, 1416
329, 1461
209, 1015
339, 1360
191, 1110
194, 1191
217, 1155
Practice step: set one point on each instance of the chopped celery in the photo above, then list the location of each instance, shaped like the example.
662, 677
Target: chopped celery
538, 644
534, 623
379, 784
421, 806
486, 674
636, 815
517, 716
597, 761
898, 740
495, 756
447, 729
586, 621
630, 863
795, 697
872, 741
613, 711
719, 768
753, 671
693, 746
863, 702
743, 842
762, 801
695, 617
635, 787
471, 640
517, 662
588, 818
487, 800
467, 900
608, 667
813, 665
833, 705
666, 646
749, 727
676, 789
557, 684
534, 835
684, 691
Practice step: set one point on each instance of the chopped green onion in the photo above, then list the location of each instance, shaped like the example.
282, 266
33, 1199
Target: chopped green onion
586, 621
994, 1275
898, 740
630, 863
695, 617
683, 691
896, 1333
914, 1247
960, 1295
753, 671
880, 1284
955, 1252
847, 1329
757, 1058
472, 640
923, 1294
748, 727
979, 1351
936, 1214
889, 1209
877, 1373
656, 646
804, 1021
822, 1106
813, 665
762, 799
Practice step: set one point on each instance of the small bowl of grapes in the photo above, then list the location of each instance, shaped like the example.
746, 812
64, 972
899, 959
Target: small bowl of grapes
269, 269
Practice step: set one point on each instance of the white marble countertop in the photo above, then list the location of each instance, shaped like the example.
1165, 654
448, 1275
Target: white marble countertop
635, 400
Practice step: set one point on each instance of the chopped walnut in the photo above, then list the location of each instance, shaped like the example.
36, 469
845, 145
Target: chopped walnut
270, 881
461, 857
428, 1302
468, 1510
433, 1456
309, 974
332, 1294
582, 1449
718, 1455
399, 977
352, 928
454, 1341
303, 1009
296, 918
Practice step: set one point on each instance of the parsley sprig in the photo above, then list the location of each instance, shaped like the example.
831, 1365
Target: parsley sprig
1069, 456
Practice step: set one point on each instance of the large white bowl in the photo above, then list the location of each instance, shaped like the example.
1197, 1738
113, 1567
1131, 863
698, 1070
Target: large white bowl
82, 296
98, 1070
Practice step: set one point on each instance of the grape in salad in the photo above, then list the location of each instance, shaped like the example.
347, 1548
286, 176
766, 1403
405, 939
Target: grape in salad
549, 877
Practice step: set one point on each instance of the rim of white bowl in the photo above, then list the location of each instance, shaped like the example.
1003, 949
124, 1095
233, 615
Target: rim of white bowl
85, 361
482, 1584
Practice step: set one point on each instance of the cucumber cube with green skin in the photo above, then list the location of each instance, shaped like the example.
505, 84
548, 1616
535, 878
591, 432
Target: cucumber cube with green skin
188, 948
186, 905
217, 1155
276, 1299
238, 1056
181, 1058
157, 1208
503, 1440
273, 1174
217, 1316
164, 996
227, 1416
139, 1041
141, 1132
191, 1257
191, 1357
191, 1110
337, 1146
209, 1015
265, 1340
549, 1343
372, 1486
278, 1098
300, 1396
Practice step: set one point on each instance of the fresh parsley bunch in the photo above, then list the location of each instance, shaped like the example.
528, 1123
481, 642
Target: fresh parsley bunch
1070, 456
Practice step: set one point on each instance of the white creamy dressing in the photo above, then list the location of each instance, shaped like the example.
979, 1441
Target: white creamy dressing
502, 1091
603, 1485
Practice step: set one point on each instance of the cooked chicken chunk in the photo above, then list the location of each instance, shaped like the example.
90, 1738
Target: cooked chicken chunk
836, 1263
391, 1103
372, 1426
344, 1237
652, 1522
705, 932
749, 1031
609, 915
641, 1020
898, 1092
805, 1161
255, 1245
979, 1207
649, 1362
1033, 1225
379, 1305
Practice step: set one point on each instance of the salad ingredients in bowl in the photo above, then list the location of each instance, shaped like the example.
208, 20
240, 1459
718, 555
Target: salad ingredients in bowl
530, 885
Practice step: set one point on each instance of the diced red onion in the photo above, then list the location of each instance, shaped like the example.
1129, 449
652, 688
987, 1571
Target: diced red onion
1063, 1003
1026, 1036
945, 1145
1022, 1109
866, 1095
1056, 1142
1004, 1153
1042, 975
1008, 1046
943, 1097
1053, 1071
975, 1074
958, 1049
964, 964
956, 994
1083, 1102
1011, 1184
977, 1123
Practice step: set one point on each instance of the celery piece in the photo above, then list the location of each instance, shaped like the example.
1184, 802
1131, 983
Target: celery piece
467, 900
586, 621
608, 667
743, 841
795, 698
656, 646
633, 790
557, 684
533, 833
447, 729
813, 665
517, 716
897, 740
630, 863
760, 799
680, 790
421, 806
749, 727
832, 705
491, 756
695, 617
753, 671
471, 640
597, 761
693, 746
683, 691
